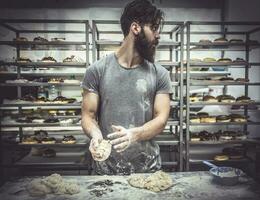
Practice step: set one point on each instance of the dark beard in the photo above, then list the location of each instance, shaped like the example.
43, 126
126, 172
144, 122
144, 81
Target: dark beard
144, 47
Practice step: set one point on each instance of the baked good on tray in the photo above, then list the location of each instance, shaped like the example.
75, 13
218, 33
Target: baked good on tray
40, 39
69, 139
39, 135
209, 60
58, 39
244, 99
20, 39
208, 119
236, 41
239, 60
238, 118
209, 98
224, 60
194, 119
220, 40
23, 59
205, 41
48, 140
30, 140
226, 98
242, 80
48, 59
226, 79
221, 157
223, 118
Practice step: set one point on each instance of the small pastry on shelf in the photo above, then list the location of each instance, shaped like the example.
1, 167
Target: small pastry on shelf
20, 80
60, 99
40, 100
205, 41
221, 157
209, 98
239, 60
70, 59
240, 136
227, 135
58, 39
23, 59
55, 80
40, 134
48, 59
71, 112
61, 112
242, 80
70, 139
194, 119
195, 97
221, 40
195, 137
223, 118
224, 60
226, 98
48, 153
38, 121
244, 99
48, 140
234, 152
51, 120
28, 97
209, 60
238, 118
206, 136
236, 41
202, 114
229, 79
20, 39
52, 112
208, 119
40, 39
30, 140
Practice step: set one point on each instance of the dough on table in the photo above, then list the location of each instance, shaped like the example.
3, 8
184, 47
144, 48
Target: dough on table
52, 184
104, 149
156, 182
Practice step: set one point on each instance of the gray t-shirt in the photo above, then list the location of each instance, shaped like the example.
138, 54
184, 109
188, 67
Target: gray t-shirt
126, 99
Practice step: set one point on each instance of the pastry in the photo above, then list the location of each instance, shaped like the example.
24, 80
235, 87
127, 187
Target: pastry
40, 39
205, 41
236, 41
209, 98
226, 79
51, 120
202, 114
39, 135
221, 157
233, 152
70, 139
21, 39
244, 99
69, 59
226, 98
224, 60
195, 137
30, 140
71, 112
195, 98
228, 135
61, 112
208, 119
48, 59
52, 112
223, 118
221, 40
194, 119
55, 80
238, 118
239, 60
58, 39
205, 136
49, 153
72, 81
243, 80
23, 59
209, 60
40, 100
48, 140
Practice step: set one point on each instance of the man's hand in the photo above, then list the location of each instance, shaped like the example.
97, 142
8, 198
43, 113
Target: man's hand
94, 143
121, 138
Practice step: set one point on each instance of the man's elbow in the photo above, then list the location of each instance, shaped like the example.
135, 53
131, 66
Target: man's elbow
162, 123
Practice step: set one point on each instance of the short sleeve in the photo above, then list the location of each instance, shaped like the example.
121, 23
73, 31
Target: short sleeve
91, 79
163, 81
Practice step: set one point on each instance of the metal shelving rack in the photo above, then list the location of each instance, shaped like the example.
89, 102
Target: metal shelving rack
172, 64
246, 47
43, 46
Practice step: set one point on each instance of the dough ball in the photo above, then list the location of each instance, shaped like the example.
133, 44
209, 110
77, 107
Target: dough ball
53, 181
37, 188
156, 182
72, 188
104, 149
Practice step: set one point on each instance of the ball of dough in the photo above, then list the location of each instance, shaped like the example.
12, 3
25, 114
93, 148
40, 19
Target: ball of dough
37, 188
104, 149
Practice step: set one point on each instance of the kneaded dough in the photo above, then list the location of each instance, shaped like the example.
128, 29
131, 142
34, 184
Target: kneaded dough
37, 188
156, 182
104, 149
52, 184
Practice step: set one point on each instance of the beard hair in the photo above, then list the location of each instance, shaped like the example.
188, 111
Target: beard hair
144, 47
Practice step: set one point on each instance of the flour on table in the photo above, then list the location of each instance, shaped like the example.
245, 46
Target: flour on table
156, 182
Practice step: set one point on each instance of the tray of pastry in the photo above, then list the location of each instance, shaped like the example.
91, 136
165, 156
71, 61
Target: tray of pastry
45, 64
208, 62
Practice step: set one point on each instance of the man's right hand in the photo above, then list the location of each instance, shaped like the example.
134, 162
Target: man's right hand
94, 143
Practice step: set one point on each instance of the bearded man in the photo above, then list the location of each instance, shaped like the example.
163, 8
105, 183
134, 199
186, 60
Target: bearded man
126, 96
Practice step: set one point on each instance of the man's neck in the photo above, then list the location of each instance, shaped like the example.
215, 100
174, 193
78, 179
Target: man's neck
127, 55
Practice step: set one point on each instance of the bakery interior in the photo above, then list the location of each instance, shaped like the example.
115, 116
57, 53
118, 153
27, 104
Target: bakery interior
212, 52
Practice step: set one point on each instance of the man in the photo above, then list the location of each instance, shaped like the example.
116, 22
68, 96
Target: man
126, 96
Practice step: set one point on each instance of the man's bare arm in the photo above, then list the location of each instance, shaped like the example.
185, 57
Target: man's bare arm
157, 124
89, 109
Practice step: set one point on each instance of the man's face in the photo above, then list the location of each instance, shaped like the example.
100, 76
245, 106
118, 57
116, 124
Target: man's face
146, 42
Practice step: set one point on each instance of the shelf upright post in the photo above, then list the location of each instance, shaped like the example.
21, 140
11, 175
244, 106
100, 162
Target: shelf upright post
187, 151
87, 41
94, 53
246, 76
181, 101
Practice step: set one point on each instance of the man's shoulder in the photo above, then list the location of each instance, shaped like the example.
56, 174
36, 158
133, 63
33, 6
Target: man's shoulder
101, 63
157, 67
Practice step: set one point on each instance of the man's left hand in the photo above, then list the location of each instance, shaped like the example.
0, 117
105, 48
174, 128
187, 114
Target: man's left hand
121, 138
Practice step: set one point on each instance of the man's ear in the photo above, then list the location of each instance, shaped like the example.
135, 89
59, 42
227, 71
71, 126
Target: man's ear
135, 28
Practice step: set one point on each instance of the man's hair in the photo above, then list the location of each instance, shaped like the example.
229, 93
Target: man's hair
142, 12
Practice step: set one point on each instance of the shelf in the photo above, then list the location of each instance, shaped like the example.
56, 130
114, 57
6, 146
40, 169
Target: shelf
109, 45
170, 163
166, 140
205, 82
217, 64
172, 122
45, 64
52, 145
37, 125
52, 45
218, 142
52, 105
206, 73
221, 103
243, 160
168, 64
37, 84
223, 46
40, 74
225, 123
